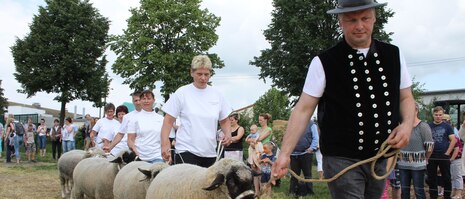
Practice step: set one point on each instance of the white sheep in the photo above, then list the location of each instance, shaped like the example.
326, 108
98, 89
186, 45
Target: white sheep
227, 178
132, 180
66, 164
94, 177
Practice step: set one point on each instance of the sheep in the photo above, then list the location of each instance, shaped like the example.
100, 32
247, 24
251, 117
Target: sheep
227, 178
94, 177
66, 164
132, 180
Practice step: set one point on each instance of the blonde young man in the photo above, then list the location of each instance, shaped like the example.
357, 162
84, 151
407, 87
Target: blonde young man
362, 89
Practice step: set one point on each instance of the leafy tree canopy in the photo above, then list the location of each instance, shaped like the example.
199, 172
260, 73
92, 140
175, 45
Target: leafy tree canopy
160, 41
64, 53
274, 102
3, 101
299, 30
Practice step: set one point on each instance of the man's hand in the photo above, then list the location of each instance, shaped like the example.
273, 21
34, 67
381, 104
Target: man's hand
280, 167
400, 136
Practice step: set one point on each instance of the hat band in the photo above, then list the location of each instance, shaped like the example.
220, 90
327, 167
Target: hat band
354, 4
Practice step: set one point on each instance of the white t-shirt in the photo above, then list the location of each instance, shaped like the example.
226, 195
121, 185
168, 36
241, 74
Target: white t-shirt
147, 127
123, 129
315, 81
68, 136
106, 128
199, 111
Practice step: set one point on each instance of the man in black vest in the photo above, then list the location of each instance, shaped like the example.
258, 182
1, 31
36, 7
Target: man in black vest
362, 89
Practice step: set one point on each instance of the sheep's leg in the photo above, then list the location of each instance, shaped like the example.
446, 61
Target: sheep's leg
77, 193
63, 187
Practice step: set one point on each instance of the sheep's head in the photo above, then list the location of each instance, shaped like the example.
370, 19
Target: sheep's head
95, 152
150, 172
124, 157
235, 175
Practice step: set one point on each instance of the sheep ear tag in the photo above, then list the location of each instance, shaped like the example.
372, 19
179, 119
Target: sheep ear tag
219, 180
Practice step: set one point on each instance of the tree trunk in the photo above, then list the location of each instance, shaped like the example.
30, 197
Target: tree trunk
62, 113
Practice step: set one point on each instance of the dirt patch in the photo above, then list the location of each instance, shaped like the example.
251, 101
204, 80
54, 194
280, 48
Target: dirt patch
29, 180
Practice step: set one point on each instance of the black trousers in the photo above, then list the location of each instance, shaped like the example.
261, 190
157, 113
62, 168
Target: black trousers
443, 162
301, 164
9, 149
56, 148
188, 157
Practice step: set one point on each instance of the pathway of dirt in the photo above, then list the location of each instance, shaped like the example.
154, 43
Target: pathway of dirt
29, 180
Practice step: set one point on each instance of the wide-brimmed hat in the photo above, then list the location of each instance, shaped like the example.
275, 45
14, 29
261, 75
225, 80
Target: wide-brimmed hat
344, 6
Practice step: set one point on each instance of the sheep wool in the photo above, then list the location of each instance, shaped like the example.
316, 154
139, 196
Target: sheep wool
227, 178
66, 164
94, 177
133, 180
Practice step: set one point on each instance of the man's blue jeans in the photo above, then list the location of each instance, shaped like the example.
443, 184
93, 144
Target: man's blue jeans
418, 177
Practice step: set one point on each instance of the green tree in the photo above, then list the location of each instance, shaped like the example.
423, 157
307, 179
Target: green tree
3, 102
160, 41
64, 53
299, 30
274, 102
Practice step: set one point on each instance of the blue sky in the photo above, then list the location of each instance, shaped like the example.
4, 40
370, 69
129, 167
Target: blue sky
429, 32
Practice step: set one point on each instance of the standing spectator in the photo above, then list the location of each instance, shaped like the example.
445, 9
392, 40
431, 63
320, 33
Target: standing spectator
301, 160
19, 138
105, 128
42, 137
444, 142
266, 161
144, 130
68, 135
456, 169
462, 136
121, 111
87, 129
414, 157
264, 130
363, 92
9, 138
55, 137
200, 108
2, 136
235, 149
121, 138
30, 144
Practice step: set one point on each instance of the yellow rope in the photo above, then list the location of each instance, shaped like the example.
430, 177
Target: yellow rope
383, 152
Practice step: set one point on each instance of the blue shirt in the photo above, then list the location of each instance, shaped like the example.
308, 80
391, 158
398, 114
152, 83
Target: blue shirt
441, 133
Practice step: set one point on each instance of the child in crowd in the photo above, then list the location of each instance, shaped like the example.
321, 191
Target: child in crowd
266, 161
30, 144
254, 146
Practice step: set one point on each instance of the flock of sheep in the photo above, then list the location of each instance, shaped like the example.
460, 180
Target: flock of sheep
94, 175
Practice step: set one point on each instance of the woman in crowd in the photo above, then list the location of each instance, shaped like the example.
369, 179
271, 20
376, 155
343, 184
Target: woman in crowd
144, 130
10, 140
200, 108
121, 111
55, 137
105, 128
235, 149
264, 130
42, 136
68, 135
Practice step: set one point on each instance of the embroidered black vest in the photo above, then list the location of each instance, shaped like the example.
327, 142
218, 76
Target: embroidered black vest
360, 104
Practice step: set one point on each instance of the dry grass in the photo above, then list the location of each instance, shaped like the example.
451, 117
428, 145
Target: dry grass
29, 180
